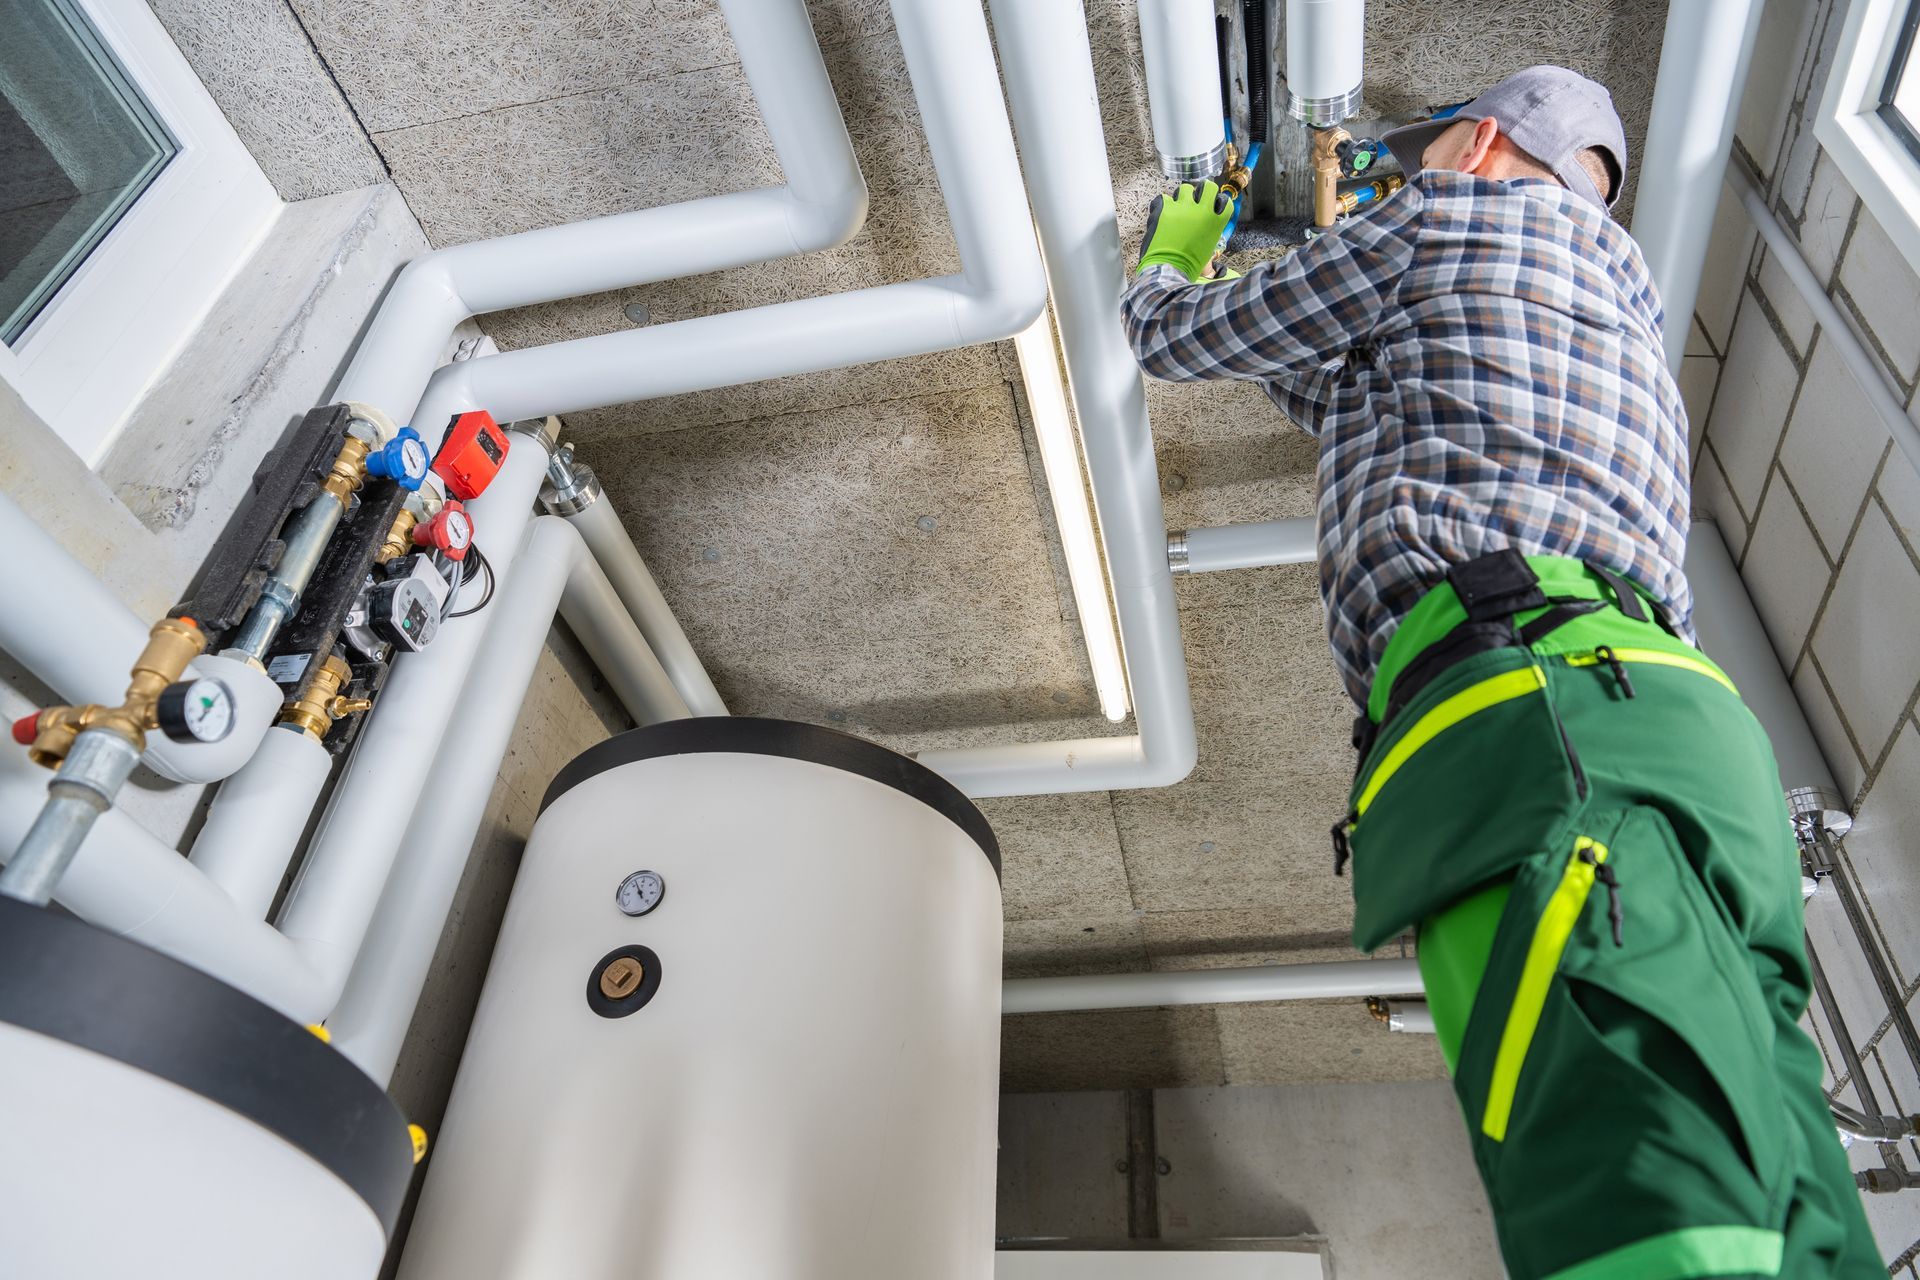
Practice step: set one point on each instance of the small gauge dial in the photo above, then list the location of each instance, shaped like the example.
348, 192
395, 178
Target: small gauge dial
413, 457
196, 711
459, 531
640, 892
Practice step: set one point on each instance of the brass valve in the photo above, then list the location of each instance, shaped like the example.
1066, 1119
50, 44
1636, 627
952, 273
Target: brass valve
171, 645
399, 538
1373, 193
1235, 177
321, 702
1326, 174
348, 473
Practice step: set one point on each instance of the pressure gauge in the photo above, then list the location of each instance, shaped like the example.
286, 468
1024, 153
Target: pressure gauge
196, 710
640, 892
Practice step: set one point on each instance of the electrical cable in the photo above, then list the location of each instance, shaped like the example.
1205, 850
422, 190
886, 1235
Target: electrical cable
486, 567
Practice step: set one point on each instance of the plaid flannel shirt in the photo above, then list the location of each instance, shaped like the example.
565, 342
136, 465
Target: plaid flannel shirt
1481, 363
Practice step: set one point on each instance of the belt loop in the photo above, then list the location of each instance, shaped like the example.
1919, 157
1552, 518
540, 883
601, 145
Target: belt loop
1624, 596
1496, 586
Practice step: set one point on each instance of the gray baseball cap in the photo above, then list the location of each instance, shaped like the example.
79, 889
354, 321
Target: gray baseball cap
1551, 113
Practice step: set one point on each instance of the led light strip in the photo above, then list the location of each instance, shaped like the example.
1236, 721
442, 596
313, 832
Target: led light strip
1060, 457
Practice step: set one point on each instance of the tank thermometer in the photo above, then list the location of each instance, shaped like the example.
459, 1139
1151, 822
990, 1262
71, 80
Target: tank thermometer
640, 892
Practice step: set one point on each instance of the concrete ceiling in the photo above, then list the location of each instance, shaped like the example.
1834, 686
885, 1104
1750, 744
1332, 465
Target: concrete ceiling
872, 548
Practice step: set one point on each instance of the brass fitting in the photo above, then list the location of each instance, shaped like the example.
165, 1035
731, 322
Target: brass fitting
1235, 177
321, 702
1326, 174
1381, 189
399, 538
348, 473
1378, 1008
171, 645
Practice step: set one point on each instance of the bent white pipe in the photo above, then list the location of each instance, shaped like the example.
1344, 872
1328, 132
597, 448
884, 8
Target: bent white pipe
554, 571
333, 900
254, 824
822, 204
1704, 58
998, 292
126, 881
606, 537
79, 640
1333, 979
1049, 77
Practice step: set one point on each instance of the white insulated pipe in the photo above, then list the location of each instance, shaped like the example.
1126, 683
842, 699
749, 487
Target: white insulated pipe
338, 888
822, 204
1243, 546
1182, 54
1414, 1016
1048, 69
254, 825
79, 640
1704, 58
599, 525
554, 571
999, 291
1326, 43
1328, 980
126, 881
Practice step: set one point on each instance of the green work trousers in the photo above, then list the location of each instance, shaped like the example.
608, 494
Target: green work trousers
1607, 895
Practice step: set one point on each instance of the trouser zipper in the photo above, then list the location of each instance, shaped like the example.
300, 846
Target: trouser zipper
1605, 874
1620, 677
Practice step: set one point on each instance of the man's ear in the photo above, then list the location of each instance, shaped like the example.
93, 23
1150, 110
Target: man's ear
1480, 150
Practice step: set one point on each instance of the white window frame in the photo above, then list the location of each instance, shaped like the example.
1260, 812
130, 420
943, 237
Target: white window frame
116, 325
1872, 158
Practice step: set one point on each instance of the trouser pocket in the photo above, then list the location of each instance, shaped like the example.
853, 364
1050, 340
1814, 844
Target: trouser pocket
1617, 1073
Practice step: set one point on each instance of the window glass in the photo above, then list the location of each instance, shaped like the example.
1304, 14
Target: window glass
1900, 100
78, 144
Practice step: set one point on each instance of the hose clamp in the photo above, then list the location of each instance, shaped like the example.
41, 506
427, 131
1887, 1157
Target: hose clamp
1179, 554
1194, 168
1322, 112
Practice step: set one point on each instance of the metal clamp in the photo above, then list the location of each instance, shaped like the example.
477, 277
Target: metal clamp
571, 486
1179, 554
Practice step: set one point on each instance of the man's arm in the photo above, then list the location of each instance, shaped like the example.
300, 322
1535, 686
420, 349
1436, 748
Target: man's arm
1292, 321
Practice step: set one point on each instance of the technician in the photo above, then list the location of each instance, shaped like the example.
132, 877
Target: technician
1564, 797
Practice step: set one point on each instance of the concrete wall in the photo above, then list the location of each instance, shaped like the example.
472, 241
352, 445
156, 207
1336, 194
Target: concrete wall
1382, 1172
1824, 513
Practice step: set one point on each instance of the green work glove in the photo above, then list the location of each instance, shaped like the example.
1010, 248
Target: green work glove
1183, 229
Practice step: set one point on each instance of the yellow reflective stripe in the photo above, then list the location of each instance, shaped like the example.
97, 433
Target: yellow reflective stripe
1536, 974
1658, 658
1469, 701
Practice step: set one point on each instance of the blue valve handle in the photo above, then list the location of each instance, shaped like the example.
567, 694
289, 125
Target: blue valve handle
402, 460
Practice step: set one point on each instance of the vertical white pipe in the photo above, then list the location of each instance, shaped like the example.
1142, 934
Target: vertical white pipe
612, 547
1696, 102
1182, 54
332, 901
254, 824
1325, 43
553, 570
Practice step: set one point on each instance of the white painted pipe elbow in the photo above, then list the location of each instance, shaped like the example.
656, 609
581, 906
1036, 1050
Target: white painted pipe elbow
257, 701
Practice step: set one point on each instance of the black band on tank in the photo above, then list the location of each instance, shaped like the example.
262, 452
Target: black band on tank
97, 991
750, 735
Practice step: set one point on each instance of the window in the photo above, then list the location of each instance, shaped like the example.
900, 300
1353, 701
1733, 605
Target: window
126, 204
1869, 121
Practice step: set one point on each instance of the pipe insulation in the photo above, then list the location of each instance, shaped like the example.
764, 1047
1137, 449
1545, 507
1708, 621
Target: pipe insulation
81, 642
333, 900
1181, 49
1243, 546
600, 527
554, 571
1704, 58
1328, 980
254, 825
998, 292
1326, 41
822, 204
1048, 69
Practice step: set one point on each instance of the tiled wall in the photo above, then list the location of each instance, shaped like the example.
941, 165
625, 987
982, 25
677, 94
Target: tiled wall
1823, 511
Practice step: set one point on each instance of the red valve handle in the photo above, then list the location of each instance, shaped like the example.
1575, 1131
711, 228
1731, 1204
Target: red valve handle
26, 729
450, 532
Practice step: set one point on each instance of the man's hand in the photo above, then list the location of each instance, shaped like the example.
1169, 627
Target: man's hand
1184, 229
